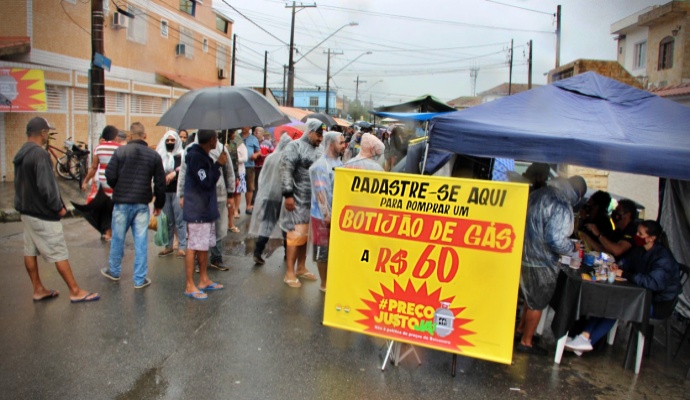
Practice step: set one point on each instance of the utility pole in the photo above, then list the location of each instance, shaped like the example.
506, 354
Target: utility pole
96, 75
284, 75
558, 36
291, 62
265, 70
234, 59
328, 77
529, 66
357, 87
510, 73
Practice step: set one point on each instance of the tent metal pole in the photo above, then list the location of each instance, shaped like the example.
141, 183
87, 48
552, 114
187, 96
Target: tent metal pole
426, 149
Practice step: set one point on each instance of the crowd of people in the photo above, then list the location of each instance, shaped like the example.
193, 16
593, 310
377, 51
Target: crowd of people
198, 180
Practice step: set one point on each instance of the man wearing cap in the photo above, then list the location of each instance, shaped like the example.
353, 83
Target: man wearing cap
37, 198
129, 173
297, 157
550, 222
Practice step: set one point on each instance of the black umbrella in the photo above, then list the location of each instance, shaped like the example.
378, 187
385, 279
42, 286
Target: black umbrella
363, 124
99, 212
222, 107
325, 118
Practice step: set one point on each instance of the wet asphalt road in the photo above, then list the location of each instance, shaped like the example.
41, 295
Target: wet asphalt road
257, 339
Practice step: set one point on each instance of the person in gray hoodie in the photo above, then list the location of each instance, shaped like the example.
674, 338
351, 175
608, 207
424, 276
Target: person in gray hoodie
37, 198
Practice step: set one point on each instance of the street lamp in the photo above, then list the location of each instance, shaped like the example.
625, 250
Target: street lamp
291, 63
329, 76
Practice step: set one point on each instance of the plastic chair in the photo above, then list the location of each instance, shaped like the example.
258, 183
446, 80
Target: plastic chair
666, 322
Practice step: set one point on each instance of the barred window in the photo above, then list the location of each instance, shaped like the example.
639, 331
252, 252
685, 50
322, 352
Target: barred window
148, 105
313, 101
136, 31
56, 98
115, 102
666, 53
81, 100
187, 38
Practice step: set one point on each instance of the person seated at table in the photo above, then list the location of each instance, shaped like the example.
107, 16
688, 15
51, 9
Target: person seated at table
649, 265
621, 240
595, 211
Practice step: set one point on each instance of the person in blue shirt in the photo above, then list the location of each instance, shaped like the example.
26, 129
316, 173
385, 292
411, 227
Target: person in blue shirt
200, 210
253, 152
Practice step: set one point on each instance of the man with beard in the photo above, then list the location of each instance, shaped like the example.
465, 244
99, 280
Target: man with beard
322, 175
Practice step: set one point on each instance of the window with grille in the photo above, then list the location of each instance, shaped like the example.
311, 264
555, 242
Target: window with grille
136, 31
188, 6
313, 101
221, 24
187, 38
640, 60
221, 56
56, 97
80, 100
115, 102
164, 28
666, 53
148, 105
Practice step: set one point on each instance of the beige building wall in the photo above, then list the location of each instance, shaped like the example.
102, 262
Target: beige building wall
61, 47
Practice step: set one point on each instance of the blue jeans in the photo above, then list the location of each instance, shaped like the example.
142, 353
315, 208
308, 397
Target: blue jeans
173, 211
135, 216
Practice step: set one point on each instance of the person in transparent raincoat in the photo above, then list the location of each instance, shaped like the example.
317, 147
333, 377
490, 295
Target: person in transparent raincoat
370, 151
268, 201
550, 222
321, 174
296, 159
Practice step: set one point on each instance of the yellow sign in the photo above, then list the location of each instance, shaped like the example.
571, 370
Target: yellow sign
426, 260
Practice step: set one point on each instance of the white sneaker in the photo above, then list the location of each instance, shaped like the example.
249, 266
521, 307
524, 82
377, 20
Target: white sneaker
580, 343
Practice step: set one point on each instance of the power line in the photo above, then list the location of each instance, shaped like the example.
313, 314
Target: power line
257, 25
522, 8
437, 21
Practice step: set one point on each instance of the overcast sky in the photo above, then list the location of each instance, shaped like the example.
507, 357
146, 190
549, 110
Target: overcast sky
419, 47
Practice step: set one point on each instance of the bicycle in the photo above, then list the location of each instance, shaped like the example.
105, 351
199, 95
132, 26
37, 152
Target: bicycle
72, 164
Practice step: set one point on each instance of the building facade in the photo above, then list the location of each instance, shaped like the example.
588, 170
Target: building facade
653, 44
313, 100
158, 49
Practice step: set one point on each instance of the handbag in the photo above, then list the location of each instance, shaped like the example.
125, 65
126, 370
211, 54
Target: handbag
160, 238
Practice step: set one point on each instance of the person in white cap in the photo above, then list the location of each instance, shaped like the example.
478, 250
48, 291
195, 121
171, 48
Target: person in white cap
37, 198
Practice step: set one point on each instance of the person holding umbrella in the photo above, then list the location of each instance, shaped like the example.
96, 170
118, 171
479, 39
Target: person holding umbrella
170, 150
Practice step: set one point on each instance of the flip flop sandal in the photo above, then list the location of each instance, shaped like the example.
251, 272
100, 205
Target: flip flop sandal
234, 229
293, 283
53, 294
308, 276
197, 295
86, 299
213, 286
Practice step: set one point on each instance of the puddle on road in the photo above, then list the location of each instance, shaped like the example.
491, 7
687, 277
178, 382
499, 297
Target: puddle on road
150, 385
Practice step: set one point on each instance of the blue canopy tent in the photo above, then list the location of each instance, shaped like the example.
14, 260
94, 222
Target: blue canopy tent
587, 120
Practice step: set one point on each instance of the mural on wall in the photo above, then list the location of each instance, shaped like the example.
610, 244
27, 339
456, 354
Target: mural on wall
22, 90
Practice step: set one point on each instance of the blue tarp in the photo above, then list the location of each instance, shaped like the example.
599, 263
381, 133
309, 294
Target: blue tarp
586, 120
402, 116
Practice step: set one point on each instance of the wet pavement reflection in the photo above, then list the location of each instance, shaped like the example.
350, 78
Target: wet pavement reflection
257, 339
